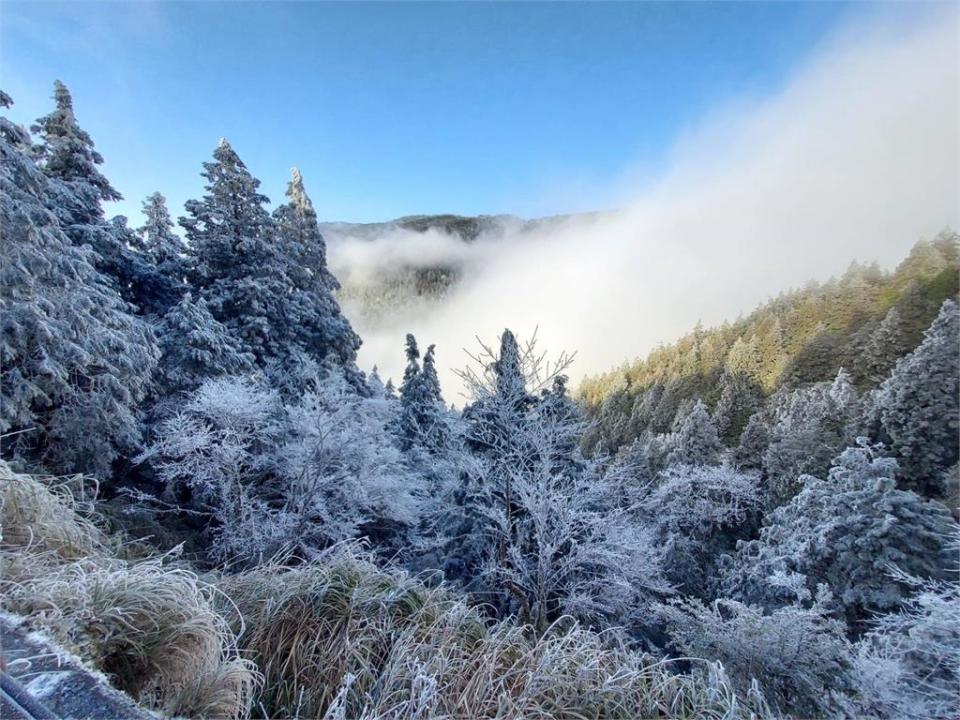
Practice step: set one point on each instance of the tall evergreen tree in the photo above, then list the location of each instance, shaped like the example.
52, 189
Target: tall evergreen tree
423, 416
886, 345
76, 192
696, 442
66, 153
317, 323
846, 532
739, 399
919, 404
160, 243
235, 263
76, 363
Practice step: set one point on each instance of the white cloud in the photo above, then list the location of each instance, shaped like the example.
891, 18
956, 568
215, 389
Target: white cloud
856, 157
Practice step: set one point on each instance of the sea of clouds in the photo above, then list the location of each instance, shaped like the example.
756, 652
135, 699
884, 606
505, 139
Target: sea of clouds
856, 156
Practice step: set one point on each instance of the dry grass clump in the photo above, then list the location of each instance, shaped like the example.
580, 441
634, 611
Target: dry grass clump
153, 629
41, 516
340, 638
337, 638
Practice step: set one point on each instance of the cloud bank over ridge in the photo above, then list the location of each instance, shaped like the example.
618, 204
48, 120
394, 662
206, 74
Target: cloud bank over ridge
857, 156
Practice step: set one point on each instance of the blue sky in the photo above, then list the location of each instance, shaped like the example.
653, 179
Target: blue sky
395, 109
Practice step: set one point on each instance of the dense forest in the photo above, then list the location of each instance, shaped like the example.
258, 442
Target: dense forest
204, 496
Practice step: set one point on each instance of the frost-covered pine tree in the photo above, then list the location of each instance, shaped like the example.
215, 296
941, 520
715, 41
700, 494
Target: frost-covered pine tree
883, 348
754, 440
739, 398
76, 362
844, 532
644, 406
645, 457
234, 260
811, 425
744, 359
919, 404
160, 243
317, 324
696, 442
424, 420
195, 347
66, 155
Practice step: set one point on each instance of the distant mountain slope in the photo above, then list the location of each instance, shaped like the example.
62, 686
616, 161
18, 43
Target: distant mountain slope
864, 321
465, 227
401, 265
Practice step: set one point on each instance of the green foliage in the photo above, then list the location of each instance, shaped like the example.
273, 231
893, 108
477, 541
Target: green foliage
802, 336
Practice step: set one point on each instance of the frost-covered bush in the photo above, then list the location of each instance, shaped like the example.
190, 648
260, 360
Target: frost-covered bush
908, 665
844, 532
277, 476
799, 656
216, 456
342, 475
811, 425
699, 513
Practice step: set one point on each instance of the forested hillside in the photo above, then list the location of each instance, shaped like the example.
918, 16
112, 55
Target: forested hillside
203, 495
862, 322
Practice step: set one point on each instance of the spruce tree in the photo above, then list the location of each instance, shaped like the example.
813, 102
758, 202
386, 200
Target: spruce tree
317, 324
919, 404
234, 261
696, 442
753, 443
66, 153
76, 362
75, 195
163, 246
846, 532
423, 421
196, 347
739, 399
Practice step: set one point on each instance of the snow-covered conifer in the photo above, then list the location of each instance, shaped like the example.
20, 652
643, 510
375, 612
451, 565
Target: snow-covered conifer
160, 243
234, 261
920, 404
696, 442
811, 426
195, 347
754, 440
883, 348
66, 153
317, 324
698, 514
739, 399
76, 361
845, 532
